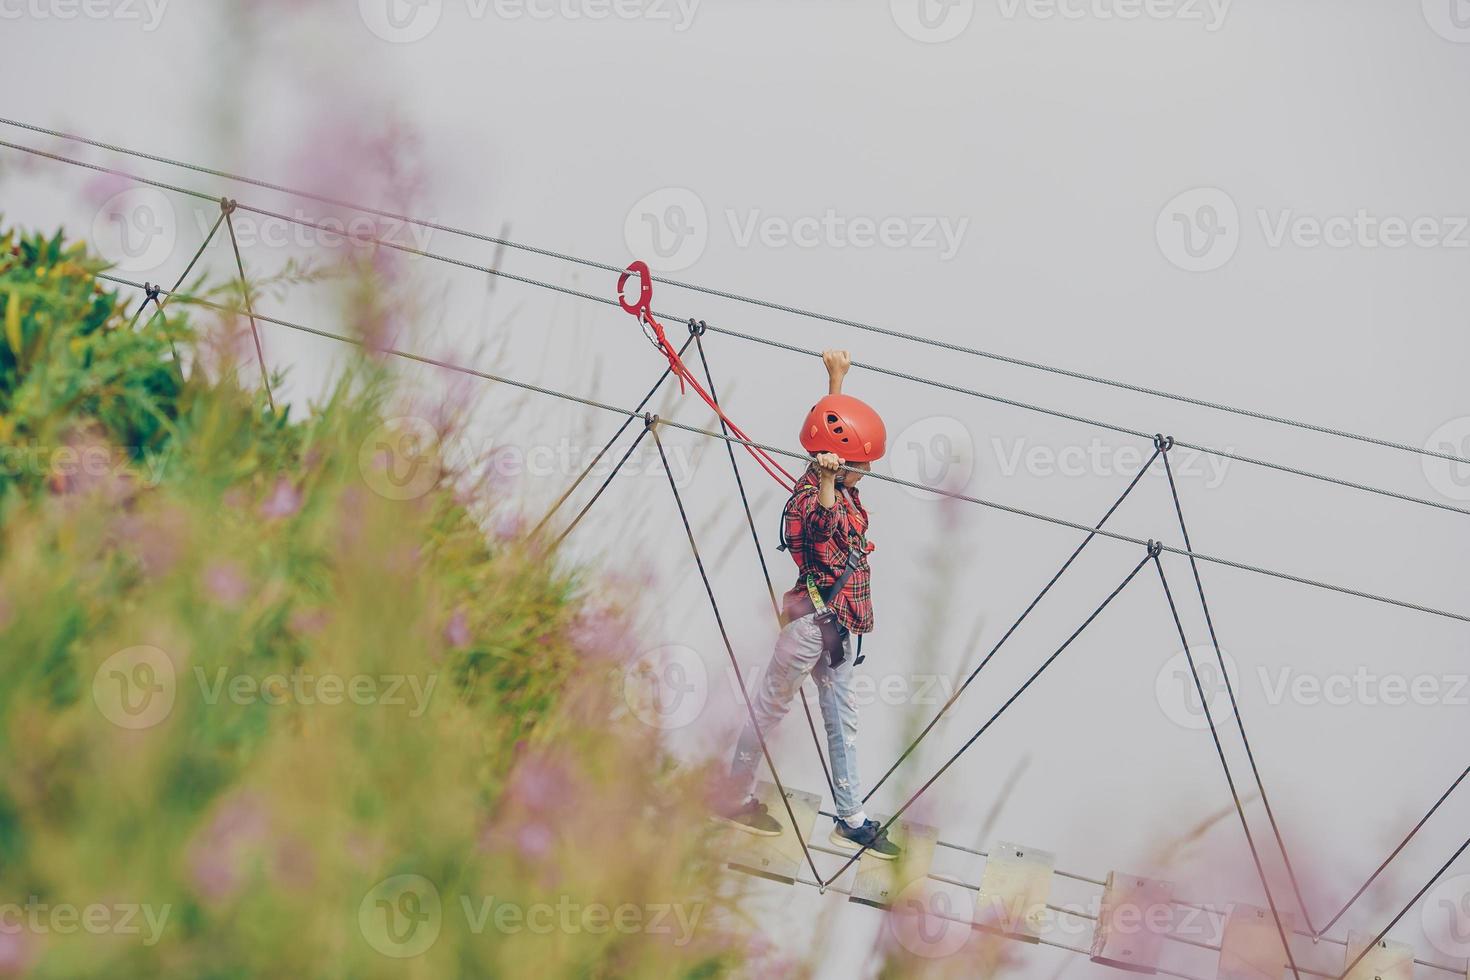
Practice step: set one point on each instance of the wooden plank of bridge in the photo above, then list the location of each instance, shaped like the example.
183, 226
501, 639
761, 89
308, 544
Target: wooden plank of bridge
1137, 913
1250, 947
1385, 961
878, 882
777, 858
1014, 891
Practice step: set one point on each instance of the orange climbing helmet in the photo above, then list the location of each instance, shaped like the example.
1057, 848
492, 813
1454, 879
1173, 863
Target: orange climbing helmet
843, 425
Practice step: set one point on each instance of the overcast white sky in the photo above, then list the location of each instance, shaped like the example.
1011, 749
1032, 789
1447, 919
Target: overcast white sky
1260, 203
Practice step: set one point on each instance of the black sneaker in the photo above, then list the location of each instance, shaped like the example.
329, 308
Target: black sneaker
751, 817
870, 835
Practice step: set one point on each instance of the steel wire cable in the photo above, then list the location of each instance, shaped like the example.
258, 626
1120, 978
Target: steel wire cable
1015, 696
750, 300
1245, 824
804, 457
1250, 752
1025, 613
580, 294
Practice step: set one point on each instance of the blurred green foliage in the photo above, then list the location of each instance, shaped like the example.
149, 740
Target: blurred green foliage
251, 689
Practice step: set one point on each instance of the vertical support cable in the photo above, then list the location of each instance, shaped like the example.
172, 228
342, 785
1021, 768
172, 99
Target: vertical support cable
605, 484
1152, 553
1405, 911
604, 450
696, 333
1163, 445
1225, 766
651, 421
152, 292
227, 208
1397, 850
950, 701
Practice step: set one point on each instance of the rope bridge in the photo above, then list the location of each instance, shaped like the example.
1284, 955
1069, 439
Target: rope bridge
768, 456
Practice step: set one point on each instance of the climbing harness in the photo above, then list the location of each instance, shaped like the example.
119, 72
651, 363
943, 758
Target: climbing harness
807, 599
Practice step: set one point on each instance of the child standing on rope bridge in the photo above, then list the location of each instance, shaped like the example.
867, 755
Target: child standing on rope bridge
824, 525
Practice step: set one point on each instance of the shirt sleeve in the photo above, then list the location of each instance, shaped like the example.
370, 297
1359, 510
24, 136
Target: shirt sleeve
819, 523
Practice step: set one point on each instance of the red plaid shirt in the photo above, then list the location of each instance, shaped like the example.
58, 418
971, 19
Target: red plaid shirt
820, 540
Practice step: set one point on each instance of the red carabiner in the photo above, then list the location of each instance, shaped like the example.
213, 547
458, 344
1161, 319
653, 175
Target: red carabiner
645, 289
655, 333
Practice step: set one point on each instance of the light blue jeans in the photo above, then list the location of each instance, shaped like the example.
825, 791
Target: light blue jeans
799, 653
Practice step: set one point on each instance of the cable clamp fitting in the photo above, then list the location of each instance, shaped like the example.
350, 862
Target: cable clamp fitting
697, 327
228, 205
1155, 548
1163, 443
649, 420
152, 292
